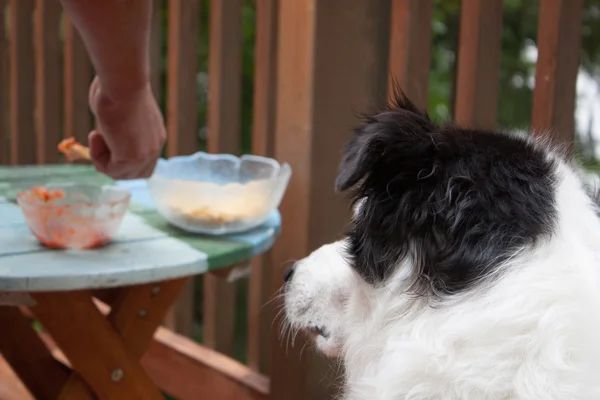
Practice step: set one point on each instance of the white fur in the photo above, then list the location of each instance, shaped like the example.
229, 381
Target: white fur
531, 333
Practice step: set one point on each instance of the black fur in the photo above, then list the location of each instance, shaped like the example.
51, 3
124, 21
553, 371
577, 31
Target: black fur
458, 200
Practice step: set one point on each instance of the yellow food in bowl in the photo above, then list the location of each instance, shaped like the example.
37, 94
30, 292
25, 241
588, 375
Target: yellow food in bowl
227, 212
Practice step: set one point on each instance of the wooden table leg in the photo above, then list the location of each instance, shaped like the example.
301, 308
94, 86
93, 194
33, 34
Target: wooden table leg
105, 352
29, 358
141, 309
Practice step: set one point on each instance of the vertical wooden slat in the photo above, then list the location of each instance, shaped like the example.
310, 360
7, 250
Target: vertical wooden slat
77, 79
411, 34
479, 63
156, 48
182, 118
225, 73
22, 86
263, 142
180, 317
320, 86
4, 48
219, 314
225, 76
48, 74
265, 77
558, 39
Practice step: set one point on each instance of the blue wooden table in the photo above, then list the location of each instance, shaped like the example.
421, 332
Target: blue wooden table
147, 265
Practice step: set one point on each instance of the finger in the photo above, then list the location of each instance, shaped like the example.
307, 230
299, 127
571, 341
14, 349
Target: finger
146, 172
122, 170
148, 169
126, 172
135, 173
99, 151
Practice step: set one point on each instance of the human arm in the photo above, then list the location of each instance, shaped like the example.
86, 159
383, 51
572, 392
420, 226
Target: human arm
131, 131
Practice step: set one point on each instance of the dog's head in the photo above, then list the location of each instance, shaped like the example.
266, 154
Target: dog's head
469, 269
436, 210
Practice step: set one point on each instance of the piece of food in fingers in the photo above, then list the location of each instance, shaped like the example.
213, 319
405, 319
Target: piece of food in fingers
73, 150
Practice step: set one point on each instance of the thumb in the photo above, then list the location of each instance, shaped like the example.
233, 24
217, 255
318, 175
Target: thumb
99, 151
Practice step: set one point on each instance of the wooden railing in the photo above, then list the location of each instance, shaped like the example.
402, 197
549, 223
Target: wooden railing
316, 63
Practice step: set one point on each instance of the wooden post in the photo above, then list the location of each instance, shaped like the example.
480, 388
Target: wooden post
263, 142
559, 42
182, 118
4, 48
225, 74
410, 48
182, 115
77, 79
478, 75
332, 63
22, 89
48, 77
156, 49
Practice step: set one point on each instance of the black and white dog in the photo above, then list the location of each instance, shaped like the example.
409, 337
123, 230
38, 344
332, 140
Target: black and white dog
471, 270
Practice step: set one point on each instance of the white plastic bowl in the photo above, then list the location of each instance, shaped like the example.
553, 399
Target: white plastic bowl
218, 194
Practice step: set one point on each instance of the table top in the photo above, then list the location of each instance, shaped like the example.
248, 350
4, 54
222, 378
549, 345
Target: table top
147, 248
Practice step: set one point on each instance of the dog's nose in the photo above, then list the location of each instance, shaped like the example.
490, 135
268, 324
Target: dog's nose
289, 272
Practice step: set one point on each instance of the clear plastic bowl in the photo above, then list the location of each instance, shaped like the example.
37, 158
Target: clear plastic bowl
218, 193
80, 217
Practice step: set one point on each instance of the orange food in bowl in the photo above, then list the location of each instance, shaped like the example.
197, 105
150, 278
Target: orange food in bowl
47, 195
74, 216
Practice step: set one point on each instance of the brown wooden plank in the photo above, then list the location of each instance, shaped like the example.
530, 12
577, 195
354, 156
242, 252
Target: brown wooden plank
225, 73
22, 83
189, 371
259, 323
4, 69
181, 316
219, 314
265, 78
11, 388
225, 76
225, 66
141, 309
28, 356
263, 143
182, 118
77, 78
295, 123
48, 75
479, 63
558, 39
93, 347
135, 315
320, 87
411, 35
156, 48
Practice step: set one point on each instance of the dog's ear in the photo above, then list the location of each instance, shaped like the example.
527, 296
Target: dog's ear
359, 156
400, 126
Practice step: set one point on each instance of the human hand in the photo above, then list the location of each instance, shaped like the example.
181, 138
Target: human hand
130, 132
